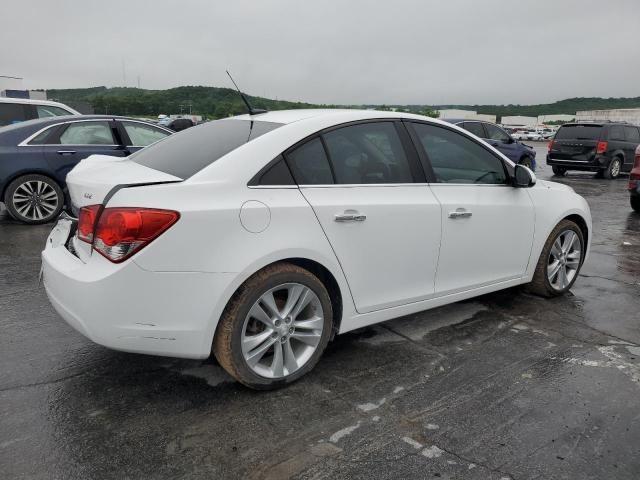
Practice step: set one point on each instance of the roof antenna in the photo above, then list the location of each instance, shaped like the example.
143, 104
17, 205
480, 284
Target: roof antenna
252, 111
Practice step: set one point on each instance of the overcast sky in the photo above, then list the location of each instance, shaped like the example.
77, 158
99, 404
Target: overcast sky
333, 51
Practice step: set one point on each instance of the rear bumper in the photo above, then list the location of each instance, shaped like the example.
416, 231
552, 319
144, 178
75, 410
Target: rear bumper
127, 308
595, 164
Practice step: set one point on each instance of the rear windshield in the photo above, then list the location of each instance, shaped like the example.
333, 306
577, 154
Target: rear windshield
579, 132
186, 153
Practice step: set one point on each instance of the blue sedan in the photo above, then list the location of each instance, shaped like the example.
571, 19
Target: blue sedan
36, 155
495, 136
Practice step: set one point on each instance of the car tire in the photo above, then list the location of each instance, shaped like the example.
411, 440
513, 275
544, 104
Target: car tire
559, 171
613, 170
34, 199
635, 202
270, 291
548, 283
526, 161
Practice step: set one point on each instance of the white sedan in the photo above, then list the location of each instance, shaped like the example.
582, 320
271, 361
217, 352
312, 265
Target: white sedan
258, 238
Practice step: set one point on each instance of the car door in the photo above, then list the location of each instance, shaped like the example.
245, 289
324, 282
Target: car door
502, 141
137, 135
76, 140
487, 225
632, 135
368, 191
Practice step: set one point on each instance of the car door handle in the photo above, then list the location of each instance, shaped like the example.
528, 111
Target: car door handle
350, 217
460, 213
66, 152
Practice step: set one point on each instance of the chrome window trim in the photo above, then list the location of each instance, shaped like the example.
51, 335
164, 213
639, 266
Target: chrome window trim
25, 142
439, 184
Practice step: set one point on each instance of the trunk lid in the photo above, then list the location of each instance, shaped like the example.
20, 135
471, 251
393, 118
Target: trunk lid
91, 181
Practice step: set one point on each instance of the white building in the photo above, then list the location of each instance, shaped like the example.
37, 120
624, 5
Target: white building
519, 121
629, 115
10, 83
555, 118
466, 114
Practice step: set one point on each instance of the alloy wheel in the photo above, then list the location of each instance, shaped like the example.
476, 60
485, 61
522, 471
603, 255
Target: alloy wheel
615, 168
35, 200
282, 330
564, 260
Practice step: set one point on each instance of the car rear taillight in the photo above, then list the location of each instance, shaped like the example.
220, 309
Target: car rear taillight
602, 147
551, 144
634, 176
87, 222
123, 231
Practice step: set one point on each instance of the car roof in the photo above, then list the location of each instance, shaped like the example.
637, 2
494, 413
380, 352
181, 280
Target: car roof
291, 116
30, 101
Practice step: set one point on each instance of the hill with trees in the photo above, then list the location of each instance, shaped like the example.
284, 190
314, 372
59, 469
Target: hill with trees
214, 102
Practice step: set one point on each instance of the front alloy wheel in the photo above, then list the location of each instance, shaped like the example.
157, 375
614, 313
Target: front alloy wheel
275, 328
564, 260
34, 199
560, 261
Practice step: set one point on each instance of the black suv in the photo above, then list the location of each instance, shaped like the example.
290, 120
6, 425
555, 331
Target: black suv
604, 147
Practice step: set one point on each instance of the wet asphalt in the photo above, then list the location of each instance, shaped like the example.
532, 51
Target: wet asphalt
506, 385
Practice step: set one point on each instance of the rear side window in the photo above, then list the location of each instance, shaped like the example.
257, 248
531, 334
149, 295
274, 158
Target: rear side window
46, 111
475, 128
458, 159
142, 135
632, 134
277, 174
579, 132
368, 153
616, 132
309, 164
195, 148
12, 113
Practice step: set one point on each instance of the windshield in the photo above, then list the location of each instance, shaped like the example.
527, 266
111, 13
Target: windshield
185, 154
579, 132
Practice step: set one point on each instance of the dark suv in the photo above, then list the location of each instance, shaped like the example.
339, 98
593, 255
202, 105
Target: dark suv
606, 148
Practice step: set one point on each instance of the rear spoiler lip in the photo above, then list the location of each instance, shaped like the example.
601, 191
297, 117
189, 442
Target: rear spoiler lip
73, 211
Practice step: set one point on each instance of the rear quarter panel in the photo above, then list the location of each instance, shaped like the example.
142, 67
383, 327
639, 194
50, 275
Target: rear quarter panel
210, 236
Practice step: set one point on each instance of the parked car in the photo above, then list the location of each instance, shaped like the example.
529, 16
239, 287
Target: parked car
607, 148
500, 139
36, 155
259, 238
634, 182
179, 124
14, 110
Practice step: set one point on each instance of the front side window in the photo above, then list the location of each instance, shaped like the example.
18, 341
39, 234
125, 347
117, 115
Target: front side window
142, 135
475, 128
458, 159
309, 164
495, 133
87, 133
46, 111
11, 113
368, 153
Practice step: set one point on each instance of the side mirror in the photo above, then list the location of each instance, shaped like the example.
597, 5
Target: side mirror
523, 177
509, 140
